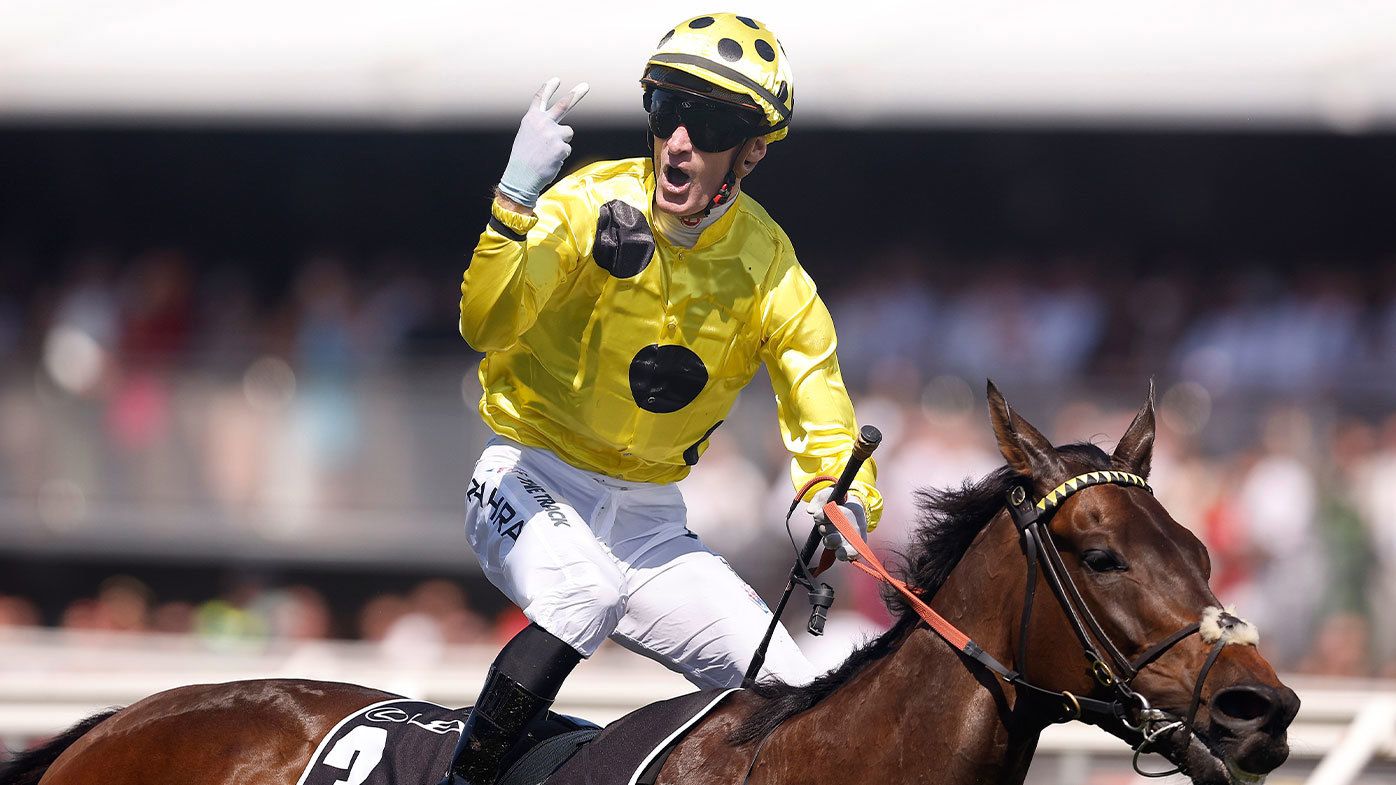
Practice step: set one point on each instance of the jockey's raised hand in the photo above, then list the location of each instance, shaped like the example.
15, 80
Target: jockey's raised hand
853, 509
541, 144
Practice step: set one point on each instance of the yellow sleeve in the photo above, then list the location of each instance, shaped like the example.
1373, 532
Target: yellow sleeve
516, 266
816, 416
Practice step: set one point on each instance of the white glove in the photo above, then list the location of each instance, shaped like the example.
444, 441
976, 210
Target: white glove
853, 509
541, 144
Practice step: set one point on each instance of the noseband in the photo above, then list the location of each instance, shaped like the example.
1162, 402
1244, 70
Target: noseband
1114, 670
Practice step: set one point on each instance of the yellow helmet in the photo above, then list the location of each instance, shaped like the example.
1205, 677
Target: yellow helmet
730, 58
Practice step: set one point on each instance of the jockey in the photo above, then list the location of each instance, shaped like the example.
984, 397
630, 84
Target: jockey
620, 312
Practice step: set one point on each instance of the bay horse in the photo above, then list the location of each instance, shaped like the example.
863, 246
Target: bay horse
1134, 642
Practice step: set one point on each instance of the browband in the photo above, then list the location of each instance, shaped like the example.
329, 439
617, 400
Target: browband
1053, 500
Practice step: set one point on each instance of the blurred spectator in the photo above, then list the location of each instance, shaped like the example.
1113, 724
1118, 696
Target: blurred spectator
1277, 504
157, 313
1374, 477
324, 341
122, 604
1347, 548
900, 295
89, 304
220, 622
17, 612
296, 613
1341, 648
434, 614
378, 615
445, 604
393, 312
174, 618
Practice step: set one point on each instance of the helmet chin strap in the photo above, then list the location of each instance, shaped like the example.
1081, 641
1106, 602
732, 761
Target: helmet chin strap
724, 193
728, 189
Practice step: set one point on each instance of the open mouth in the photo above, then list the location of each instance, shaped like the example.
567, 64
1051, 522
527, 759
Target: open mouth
676, 177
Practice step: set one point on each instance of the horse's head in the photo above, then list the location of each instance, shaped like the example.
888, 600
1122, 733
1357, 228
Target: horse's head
1143, 577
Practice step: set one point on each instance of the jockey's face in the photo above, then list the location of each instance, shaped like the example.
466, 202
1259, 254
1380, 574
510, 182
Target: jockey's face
687, 179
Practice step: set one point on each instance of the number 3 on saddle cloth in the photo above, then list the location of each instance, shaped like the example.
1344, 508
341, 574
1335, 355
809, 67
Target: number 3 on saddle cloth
407, 742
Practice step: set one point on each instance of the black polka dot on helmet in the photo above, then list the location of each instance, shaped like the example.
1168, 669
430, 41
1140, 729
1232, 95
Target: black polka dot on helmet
734, 59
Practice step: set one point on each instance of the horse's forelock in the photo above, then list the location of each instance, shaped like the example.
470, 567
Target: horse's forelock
950, 518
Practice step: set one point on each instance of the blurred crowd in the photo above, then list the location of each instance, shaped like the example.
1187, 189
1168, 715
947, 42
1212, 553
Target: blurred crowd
434, 612
1313, 328
253, 407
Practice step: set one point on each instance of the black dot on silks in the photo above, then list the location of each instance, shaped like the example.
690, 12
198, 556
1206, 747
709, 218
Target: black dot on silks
624, 243
729, 49
783, 93
701, 22
764, 49
666, 38
748, 22
664, 379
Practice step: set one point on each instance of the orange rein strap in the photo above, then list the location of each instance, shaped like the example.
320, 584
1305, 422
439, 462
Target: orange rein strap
870, 564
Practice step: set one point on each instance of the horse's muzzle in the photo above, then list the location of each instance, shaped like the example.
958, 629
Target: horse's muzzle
1249, 723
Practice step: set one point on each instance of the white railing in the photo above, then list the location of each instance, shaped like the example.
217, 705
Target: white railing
52, 679
1369, 735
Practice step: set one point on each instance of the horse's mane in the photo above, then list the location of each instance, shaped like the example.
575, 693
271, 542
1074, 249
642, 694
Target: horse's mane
948, 521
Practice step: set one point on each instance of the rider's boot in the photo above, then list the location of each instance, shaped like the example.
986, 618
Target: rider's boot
521, 685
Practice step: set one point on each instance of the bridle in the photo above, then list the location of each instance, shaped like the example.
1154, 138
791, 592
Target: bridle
1113, 670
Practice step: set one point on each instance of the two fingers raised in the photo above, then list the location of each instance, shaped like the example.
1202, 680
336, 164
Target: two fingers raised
564, 105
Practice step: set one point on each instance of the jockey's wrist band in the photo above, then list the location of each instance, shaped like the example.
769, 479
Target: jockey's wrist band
510, 224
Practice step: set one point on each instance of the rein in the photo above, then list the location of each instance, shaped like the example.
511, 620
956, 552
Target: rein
1031, 519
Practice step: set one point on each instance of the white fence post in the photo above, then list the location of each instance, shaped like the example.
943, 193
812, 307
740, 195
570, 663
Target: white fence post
1370, 729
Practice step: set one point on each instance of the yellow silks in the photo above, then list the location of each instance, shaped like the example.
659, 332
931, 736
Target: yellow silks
622, 360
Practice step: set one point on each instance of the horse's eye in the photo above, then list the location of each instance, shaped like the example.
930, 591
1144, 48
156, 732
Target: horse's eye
1102, 561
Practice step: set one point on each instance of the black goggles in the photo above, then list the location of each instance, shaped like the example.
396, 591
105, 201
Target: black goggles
713, 126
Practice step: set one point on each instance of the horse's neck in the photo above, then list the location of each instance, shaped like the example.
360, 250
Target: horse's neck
925, 714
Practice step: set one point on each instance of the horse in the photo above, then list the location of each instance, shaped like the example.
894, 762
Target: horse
1135, 642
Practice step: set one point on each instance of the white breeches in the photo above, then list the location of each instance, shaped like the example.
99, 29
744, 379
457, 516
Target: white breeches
589, 557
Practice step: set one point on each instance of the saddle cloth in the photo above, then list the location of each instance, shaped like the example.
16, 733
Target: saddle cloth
409, 742
393, 742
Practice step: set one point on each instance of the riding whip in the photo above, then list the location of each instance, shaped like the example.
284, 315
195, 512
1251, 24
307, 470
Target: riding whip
821, 596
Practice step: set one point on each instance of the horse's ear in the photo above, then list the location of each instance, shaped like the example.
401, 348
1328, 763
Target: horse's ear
1025, 448
1136, 448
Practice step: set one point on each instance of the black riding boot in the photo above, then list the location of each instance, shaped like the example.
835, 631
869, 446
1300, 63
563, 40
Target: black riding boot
521, 685
495, 725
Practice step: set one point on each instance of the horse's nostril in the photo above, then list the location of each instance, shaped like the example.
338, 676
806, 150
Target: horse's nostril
1243, 705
